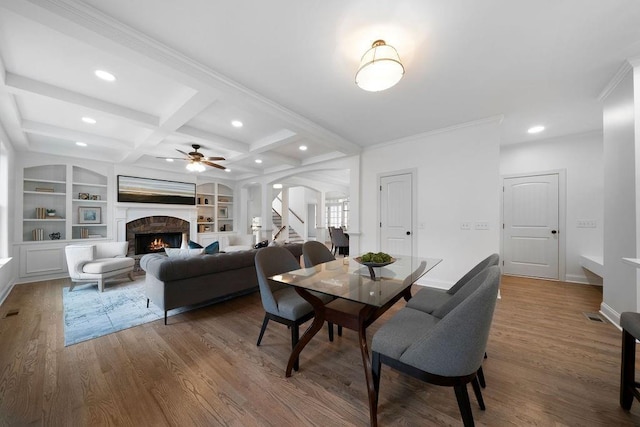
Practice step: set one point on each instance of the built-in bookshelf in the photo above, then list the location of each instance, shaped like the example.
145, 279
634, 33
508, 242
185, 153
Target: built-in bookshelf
214, 202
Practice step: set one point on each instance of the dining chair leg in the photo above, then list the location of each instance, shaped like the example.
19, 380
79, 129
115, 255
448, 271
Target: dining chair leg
478, 392
264, 328
627, 370
295, 336
330, 329
462, 396
375, 369
481, 380
339, 330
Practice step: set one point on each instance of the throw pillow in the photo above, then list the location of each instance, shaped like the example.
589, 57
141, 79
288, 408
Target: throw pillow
194, 245
213, 248
182, 253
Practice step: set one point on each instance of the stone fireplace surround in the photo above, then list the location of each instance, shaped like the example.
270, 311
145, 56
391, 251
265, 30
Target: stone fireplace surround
131, 219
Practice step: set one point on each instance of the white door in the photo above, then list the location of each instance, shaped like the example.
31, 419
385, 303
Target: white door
530, 237
396, 214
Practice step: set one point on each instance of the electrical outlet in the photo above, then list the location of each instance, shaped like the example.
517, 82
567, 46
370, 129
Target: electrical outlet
481, 225
465, 226
587, 223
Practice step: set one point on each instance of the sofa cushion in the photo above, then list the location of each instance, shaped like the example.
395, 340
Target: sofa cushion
182, 253
105, 265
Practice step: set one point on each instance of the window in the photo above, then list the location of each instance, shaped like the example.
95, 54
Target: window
338, 213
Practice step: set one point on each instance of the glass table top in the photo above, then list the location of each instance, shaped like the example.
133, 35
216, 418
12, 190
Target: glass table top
348, 279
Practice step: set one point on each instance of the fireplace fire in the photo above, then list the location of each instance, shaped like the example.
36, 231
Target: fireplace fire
156, 242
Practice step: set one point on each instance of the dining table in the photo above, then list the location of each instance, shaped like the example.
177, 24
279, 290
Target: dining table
363, 292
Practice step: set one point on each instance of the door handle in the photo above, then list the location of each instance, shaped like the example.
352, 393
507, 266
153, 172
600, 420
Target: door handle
408, 233
554, 231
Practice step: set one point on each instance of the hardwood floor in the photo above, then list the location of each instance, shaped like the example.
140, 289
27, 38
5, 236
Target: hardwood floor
548, 365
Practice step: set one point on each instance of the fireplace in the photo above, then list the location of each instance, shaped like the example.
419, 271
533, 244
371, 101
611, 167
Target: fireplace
147, 243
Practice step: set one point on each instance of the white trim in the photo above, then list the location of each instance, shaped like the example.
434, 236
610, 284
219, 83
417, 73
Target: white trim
611, 315
562, 215
615, 80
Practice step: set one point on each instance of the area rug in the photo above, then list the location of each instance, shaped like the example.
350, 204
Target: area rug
89, 313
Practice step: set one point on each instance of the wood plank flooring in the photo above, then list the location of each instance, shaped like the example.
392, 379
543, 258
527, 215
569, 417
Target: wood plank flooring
548, 365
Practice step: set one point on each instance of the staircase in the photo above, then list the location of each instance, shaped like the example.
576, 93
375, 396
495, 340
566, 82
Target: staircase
294, 237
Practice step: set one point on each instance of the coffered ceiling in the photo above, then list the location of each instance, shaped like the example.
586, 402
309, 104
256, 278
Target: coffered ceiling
184, 70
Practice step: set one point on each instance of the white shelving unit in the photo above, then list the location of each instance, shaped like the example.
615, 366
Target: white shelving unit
214, 202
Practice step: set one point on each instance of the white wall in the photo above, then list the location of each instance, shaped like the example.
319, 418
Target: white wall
620, 151
8, 269
457, 180
581, 157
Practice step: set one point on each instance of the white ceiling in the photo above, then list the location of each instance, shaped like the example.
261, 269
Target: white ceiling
286, 70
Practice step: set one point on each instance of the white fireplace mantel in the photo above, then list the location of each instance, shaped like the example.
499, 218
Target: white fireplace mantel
127, 212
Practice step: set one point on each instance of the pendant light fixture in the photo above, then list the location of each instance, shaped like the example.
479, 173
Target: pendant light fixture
380, 68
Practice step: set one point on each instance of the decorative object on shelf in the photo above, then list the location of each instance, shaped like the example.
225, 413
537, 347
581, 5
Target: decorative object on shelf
223, 227
38, 234
199, 200
206, 229
44, 189
209, 219
83, 196
147, 190
51, 212
206, 201
200, 218
54, 236
41, 213
95, 197
223, 212
223, 199
89, 215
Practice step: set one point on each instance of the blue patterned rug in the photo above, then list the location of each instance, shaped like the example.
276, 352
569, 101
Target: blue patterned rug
89, 313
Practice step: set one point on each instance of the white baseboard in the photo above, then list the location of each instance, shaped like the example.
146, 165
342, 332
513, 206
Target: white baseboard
612, 315
577, 278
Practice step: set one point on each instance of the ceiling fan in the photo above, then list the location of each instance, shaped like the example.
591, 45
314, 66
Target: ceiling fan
197, 160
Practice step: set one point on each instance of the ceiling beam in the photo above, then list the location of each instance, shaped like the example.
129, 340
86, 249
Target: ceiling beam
17, 84
44, 129
205, 137
278, 139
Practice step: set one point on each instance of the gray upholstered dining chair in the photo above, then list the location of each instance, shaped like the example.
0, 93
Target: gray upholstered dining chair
445, 351
281, 302
340, 241
315, 253
429, 299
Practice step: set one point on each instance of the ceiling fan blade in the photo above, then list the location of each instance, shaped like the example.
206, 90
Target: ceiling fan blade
213, 164
180, 151
172, 158
214, 158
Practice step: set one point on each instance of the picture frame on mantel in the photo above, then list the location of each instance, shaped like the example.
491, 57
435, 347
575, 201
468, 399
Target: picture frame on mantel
89, 215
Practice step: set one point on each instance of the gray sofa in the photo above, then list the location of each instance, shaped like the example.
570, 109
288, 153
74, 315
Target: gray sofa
178, 282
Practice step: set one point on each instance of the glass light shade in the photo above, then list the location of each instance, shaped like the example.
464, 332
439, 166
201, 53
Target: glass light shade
195, 167
380, 68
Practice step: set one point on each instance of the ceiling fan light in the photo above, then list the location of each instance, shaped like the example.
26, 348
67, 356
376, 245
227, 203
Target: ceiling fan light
380, 68
195, 167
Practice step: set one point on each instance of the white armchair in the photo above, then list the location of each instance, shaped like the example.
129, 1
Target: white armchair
98, 262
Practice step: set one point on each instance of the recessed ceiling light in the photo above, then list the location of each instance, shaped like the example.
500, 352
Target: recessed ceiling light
535, 129
81, 144
105, 75
303, 148
227, 170
277, 186
236, 123
169, 160
258, 161
89, 120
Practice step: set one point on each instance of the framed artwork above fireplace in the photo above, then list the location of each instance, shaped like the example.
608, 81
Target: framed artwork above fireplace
148, 190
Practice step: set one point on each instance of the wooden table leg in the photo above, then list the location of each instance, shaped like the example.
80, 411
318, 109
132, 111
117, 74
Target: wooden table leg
316, 325
363, 316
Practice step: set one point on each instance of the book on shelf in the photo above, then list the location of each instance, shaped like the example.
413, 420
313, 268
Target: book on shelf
41, 213
38, 234
84, 233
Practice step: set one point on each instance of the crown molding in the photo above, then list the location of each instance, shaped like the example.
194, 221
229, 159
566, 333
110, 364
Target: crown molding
615, 80
492, 119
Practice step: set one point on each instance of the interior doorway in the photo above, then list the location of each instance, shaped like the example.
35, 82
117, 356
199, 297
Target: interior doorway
531, 235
